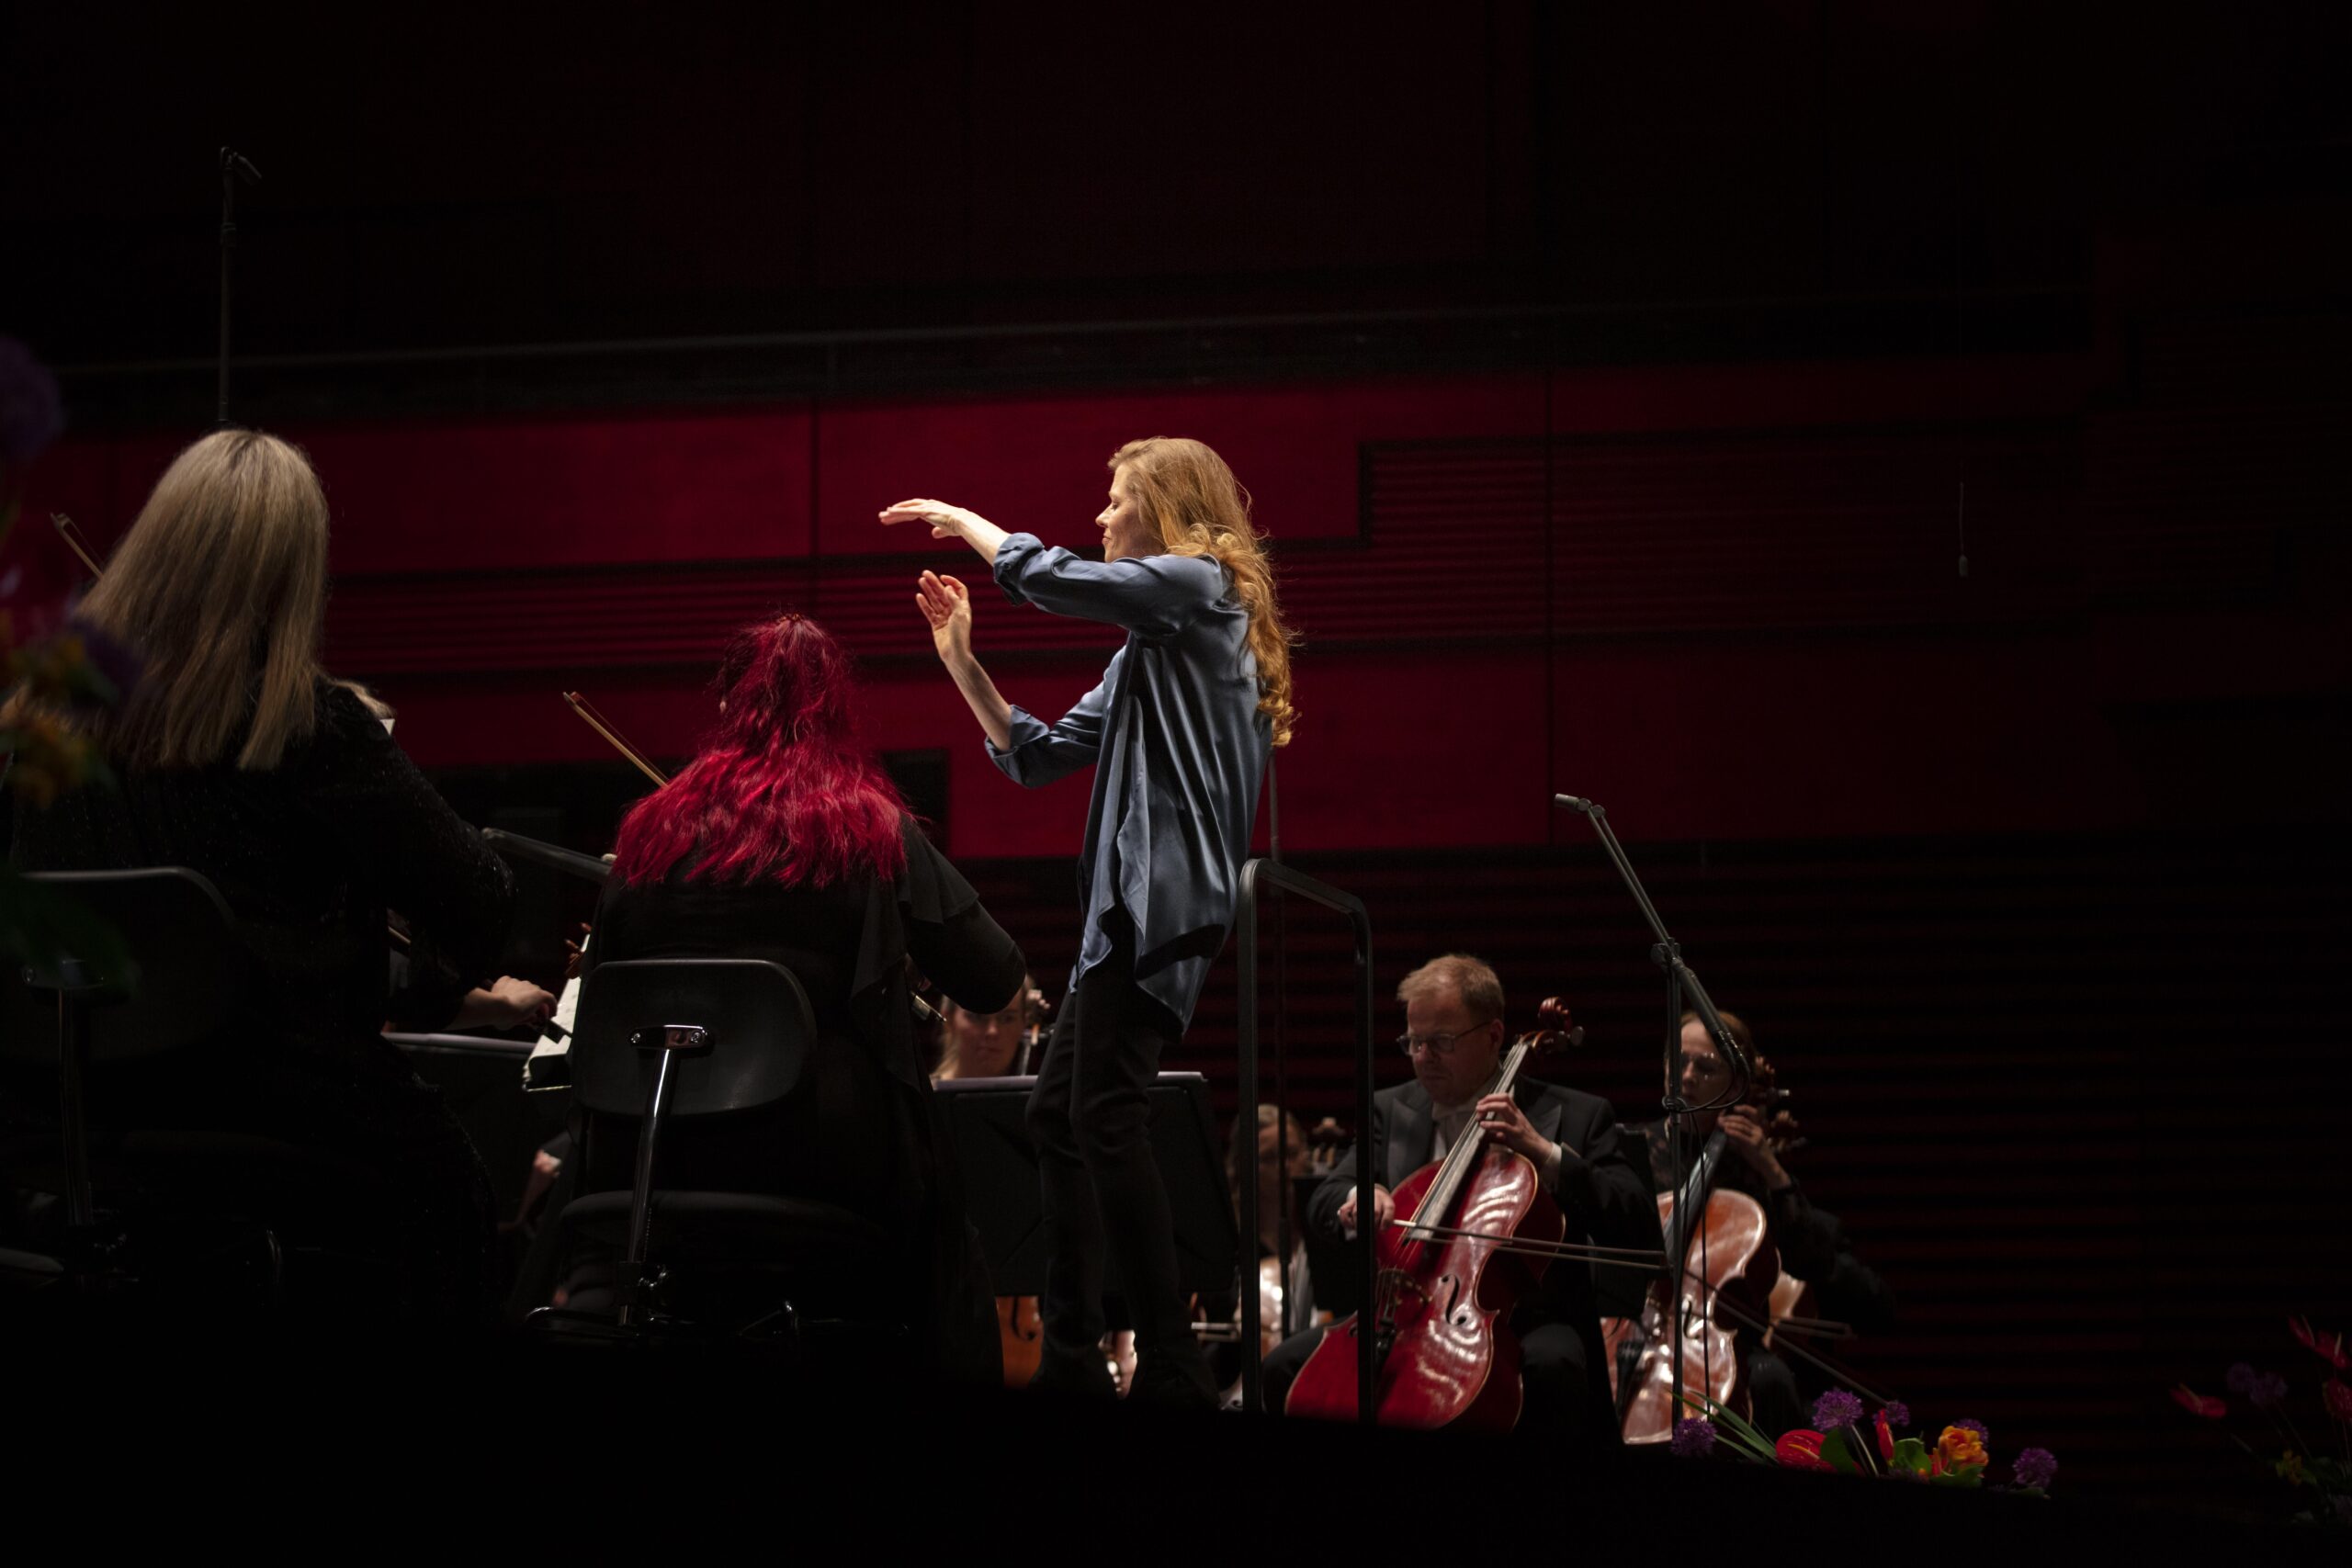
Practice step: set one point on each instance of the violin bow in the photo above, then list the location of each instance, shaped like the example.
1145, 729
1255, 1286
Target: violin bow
602, 726
74, 542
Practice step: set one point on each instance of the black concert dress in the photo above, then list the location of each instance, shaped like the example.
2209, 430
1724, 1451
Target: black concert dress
309, 855
870, 1138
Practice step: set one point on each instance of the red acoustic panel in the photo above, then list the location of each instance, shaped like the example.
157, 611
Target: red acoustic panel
601, 618
872, 608
1701, 738
451, 498
1037, 464
515, 494
1436, 750
552, 620
522, 720
1842, 526
1454, 549
917, 708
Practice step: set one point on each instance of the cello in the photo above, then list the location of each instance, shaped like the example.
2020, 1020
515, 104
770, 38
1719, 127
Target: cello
1473, 1231
1728, 1274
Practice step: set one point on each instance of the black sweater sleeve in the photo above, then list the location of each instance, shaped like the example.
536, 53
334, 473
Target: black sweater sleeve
1606, 1189
953, 938
366, 800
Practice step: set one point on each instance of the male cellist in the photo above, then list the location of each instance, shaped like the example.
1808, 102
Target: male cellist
1455, 1038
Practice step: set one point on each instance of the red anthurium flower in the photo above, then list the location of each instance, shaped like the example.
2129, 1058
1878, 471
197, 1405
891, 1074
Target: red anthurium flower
1885, 1439
2337, 1395
2196, 1404
2328, 1347
1801, 1449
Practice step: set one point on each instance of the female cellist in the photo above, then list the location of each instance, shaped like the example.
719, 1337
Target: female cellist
1809, 1243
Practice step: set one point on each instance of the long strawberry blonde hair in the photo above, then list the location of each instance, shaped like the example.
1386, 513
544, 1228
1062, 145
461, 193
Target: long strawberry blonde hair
782, 790
220, 586
1193, 503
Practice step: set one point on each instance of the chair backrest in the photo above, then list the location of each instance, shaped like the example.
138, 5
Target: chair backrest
190, 975
759, 1029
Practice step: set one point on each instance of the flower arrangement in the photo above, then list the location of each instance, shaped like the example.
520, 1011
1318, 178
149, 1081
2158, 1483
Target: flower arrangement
61, 665
1838, 1442
2329, 1476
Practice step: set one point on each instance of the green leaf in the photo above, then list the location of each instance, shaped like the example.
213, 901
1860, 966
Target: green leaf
1739, 1430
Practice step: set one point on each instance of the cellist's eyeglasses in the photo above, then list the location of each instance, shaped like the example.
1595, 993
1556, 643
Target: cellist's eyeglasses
1437, 1045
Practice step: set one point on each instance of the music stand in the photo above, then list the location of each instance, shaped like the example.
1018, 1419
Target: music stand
480, 1082
1001, 1180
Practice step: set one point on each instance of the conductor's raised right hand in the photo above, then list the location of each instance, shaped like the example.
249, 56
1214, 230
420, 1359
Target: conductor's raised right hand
946, 604
1384, 1209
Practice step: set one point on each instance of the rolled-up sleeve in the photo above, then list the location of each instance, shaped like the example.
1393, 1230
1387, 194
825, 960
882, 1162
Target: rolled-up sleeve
1155, 595
1042, 752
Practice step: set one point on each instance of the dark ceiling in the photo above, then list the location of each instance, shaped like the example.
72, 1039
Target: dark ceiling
1672, 180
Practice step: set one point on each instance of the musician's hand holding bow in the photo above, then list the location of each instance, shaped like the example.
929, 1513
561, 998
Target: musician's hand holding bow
503, 1004
1384, 1209
1745, 1135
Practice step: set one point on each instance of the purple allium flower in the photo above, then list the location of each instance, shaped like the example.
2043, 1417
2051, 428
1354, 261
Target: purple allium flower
31, 412
1983, 1435
2034, 1467
2240, 1378
117, 663
2269, 1391
1897, 1414
1694, 1438
1835, 1409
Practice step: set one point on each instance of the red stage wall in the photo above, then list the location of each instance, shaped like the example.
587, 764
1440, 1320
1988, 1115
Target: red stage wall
1726, 601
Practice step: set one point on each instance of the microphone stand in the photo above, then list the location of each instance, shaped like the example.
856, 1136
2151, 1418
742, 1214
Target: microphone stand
1680, 980
234, 167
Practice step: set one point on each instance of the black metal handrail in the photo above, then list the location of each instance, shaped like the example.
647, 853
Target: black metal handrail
1253, 875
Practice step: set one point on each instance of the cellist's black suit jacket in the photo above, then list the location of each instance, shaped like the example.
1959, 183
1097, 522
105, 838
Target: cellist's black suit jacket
1603, 1193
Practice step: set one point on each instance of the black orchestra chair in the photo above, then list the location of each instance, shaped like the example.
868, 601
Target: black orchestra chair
184, 1207
669, 1054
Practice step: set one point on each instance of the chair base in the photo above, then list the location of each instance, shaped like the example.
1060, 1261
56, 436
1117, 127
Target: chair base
748, 1272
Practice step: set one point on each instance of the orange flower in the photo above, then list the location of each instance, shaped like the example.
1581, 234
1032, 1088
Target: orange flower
1958, 1448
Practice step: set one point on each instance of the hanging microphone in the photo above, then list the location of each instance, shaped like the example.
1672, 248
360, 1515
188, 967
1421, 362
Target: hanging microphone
234, 166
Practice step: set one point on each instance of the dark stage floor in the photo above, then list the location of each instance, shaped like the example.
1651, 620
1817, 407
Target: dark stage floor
573, 1443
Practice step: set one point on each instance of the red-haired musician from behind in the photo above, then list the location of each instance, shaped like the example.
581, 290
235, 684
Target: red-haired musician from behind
784, 840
